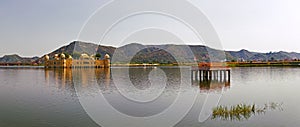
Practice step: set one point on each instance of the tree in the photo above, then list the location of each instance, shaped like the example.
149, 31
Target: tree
98, 56
67, 55
76, 55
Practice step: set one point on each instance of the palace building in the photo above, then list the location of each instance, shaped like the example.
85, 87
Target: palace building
84, 61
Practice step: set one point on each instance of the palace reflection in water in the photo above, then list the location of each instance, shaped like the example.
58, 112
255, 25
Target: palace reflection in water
63, 78
90, 82
47, 97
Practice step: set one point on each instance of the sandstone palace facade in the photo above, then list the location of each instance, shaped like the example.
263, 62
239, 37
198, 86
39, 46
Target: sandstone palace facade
85, 61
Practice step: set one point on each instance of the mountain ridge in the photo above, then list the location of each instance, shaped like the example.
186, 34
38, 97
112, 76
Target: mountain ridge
14, 58
139, 53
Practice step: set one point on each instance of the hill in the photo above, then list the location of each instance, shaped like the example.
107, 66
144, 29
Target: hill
244, 55
17, 59
169, 53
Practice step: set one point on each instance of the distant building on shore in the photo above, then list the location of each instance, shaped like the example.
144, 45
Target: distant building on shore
84, 61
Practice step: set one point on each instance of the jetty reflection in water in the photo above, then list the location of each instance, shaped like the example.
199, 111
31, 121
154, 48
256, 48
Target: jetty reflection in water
215, 84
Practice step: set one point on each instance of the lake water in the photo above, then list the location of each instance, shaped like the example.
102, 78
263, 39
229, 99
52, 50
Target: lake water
35, 97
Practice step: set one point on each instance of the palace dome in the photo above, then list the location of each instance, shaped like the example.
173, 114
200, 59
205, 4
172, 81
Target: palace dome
70, 57
47, 57
106, 56
84, 56
63, 56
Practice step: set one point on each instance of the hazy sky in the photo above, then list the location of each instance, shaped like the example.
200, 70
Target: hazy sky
37, 27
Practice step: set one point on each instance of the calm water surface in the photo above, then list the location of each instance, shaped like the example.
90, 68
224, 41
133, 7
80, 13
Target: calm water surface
49, 97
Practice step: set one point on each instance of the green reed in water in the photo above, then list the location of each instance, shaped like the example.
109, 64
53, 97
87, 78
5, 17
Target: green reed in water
242, 111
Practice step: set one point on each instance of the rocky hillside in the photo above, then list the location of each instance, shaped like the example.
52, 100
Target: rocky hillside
244, 55
138, 53
76, 48
17, 59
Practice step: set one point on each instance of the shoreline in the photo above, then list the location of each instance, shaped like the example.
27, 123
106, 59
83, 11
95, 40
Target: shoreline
265, 64
229, 64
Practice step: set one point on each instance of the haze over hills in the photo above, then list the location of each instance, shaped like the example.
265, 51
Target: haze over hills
14, 58
169, 53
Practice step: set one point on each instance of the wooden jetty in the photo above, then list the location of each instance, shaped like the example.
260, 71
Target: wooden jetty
211, 77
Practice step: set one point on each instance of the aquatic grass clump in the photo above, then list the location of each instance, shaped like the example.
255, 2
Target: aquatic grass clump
242, 111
